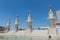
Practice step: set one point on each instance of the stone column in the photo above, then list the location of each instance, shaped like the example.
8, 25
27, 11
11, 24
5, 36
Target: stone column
29, 21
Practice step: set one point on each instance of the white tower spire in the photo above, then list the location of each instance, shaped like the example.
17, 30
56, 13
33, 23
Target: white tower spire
29, 16
51, 13
51, 17
8, 25
16, 24
29, 21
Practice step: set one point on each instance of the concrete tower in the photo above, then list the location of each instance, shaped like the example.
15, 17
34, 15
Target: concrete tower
52, 28
8, 25
51, 17
29, 21
16, 24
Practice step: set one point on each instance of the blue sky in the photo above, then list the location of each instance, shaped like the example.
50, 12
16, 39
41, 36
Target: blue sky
39, 11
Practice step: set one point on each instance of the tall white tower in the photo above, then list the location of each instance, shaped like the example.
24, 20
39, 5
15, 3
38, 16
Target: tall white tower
8, 25
29, 21
51, 17
16, 24
52, 28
